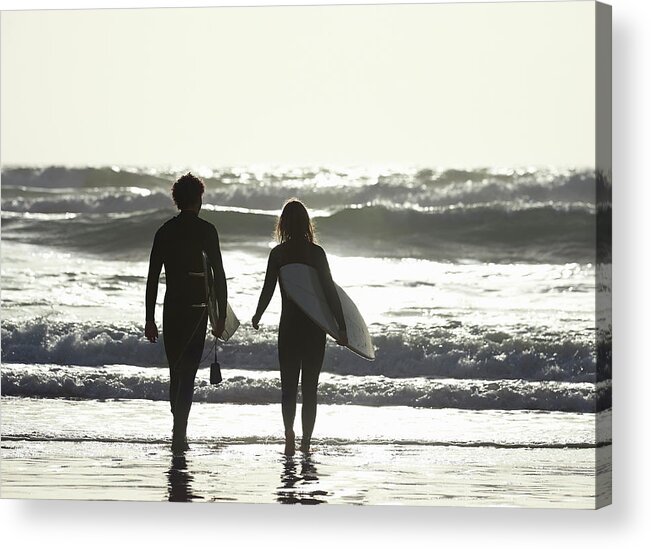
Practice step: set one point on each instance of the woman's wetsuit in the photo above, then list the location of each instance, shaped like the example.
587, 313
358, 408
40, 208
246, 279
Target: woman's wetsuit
178, 245
301, 343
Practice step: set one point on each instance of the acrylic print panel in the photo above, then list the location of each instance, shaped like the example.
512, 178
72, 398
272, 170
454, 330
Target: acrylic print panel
455, 159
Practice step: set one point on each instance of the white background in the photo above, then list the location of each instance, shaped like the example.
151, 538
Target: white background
624, 524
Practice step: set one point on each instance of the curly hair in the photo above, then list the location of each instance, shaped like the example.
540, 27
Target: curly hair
187, 191
294, 223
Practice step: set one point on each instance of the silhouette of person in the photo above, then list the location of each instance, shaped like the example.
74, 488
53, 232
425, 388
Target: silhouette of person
301, 343
178, 245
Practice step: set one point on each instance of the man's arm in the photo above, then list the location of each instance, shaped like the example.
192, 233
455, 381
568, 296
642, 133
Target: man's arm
155, 266
215, 257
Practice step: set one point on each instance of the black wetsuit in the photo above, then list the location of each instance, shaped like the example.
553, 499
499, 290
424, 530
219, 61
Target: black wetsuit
301, 343
178, 245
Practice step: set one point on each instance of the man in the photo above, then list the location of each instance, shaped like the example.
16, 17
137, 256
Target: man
178, 245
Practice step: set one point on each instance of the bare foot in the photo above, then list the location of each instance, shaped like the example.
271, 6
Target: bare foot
290, 443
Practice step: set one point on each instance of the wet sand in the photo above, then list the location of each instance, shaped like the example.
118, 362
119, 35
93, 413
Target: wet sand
118, 457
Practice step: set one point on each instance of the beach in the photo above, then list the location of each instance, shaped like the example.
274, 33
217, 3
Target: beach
527, 460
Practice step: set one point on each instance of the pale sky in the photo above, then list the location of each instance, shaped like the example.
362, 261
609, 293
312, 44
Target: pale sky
447, 85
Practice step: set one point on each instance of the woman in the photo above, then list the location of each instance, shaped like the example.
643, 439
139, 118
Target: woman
301, 343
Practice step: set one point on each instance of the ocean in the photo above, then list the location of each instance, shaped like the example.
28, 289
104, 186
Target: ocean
485, 291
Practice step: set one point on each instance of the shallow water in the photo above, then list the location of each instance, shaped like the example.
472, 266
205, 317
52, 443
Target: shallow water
390, 455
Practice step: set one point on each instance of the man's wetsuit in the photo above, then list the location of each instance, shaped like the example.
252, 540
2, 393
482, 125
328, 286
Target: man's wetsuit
301, 343
178, 245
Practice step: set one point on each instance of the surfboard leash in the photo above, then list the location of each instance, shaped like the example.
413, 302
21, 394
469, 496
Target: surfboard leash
205, 356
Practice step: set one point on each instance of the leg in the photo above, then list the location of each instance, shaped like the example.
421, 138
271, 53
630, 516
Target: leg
183, 400
174, 342
290, 365
184, 335
174, 388
312, 362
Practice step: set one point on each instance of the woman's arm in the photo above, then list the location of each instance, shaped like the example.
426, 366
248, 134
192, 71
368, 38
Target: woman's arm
267, 289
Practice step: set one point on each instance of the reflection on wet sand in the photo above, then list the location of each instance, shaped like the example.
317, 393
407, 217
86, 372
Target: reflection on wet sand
295, 486
179, 481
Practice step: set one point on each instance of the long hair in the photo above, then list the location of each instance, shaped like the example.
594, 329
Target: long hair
294, 224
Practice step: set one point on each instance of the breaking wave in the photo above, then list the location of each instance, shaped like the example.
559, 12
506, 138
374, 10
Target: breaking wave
491, 232
244, 387
425, 351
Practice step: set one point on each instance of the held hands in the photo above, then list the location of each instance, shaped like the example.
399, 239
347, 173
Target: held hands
151, 331
218, 330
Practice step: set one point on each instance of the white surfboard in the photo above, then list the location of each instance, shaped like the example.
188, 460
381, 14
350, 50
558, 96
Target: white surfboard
232, 322
302, 285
